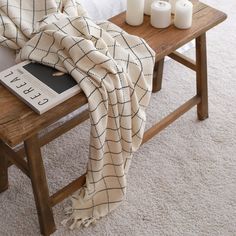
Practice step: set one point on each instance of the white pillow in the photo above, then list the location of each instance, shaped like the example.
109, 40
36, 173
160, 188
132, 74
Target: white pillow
103, 9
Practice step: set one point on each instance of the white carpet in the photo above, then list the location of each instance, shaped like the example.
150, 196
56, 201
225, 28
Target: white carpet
182, 182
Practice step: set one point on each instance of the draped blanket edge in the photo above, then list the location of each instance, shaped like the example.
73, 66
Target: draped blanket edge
114, 70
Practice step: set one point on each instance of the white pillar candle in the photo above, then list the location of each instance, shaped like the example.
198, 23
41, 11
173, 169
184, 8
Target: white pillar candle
134, 13
173, 3
160, 14
147, 7
183, 14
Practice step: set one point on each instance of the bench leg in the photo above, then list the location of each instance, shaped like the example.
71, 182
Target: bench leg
158, 74
40, 187
3, 170
202, 90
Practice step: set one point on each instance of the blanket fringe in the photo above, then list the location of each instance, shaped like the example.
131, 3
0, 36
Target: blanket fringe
73, 223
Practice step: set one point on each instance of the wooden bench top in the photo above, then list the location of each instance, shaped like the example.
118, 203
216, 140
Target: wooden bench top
18, 121
165, 41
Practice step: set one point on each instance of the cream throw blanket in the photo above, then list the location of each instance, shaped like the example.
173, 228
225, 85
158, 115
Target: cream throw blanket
113, 68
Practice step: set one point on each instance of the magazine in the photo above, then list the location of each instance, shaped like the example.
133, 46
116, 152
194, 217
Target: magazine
39, 86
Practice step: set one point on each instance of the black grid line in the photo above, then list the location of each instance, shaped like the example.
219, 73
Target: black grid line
114, 70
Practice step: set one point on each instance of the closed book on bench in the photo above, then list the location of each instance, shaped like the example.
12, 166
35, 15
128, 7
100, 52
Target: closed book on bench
41, 87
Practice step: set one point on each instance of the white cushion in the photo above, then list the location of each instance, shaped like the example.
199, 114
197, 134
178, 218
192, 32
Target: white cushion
7, 58
103, 9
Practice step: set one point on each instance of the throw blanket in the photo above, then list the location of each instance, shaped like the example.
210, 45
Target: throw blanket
113, 68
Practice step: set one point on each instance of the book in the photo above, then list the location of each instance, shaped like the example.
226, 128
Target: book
39, 86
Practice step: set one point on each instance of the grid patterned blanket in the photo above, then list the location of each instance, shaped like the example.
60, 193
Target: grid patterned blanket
113, 68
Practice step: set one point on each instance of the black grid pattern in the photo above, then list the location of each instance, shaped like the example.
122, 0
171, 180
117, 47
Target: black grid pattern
113, 68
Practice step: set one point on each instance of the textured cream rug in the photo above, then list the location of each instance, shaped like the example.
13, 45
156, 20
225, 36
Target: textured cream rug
190, 167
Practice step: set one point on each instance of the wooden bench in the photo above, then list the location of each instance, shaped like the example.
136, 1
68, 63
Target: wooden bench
19, 124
